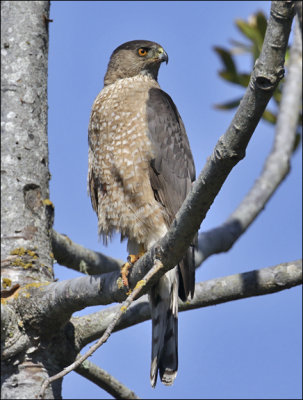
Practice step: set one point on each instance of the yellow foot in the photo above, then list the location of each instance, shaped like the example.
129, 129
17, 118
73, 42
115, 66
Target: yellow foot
131, 259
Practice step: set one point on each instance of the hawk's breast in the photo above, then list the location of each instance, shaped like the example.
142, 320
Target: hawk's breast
120, 153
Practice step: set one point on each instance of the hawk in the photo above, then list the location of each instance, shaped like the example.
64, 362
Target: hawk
140, 171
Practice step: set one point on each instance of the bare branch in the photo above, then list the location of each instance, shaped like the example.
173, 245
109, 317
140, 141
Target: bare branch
248, 284
275, 169
157, 266
106, 381
48, 306
77, 257
215, 291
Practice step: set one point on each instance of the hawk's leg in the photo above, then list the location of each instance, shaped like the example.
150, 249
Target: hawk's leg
131, 259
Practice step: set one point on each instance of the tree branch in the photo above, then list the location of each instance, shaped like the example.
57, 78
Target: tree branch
212, 292
77, 257
119, 313
105, 381
275, 169
229, 288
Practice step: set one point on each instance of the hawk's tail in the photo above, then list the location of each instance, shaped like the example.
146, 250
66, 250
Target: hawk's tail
164, 312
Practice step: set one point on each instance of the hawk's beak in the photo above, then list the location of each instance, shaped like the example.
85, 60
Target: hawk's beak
162, 55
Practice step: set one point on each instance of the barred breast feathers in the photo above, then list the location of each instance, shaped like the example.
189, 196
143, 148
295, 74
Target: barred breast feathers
120, 154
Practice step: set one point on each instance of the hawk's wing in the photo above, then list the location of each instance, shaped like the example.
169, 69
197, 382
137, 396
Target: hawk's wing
172, 170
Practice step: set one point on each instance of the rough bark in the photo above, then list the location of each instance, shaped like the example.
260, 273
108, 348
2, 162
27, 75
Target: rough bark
26, 212
25, 208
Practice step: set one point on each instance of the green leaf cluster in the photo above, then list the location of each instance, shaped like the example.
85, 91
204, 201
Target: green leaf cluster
254, 31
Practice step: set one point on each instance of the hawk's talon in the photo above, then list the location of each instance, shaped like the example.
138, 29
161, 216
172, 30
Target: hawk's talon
131, 259
125, 272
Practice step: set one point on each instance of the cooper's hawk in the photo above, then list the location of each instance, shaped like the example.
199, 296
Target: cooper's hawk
140, 171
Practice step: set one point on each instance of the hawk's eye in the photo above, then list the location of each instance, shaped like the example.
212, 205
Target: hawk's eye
142, 52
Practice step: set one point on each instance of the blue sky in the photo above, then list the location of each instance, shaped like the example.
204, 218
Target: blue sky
243, 349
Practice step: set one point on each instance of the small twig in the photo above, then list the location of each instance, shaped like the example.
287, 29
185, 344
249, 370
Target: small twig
156, 267
105, 381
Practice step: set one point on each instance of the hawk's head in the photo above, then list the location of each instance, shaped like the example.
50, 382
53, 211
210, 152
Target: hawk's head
134, 58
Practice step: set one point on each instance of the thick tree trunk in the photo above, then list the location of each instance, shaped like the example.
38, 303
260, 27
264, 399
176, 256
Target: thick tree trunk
26, 212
